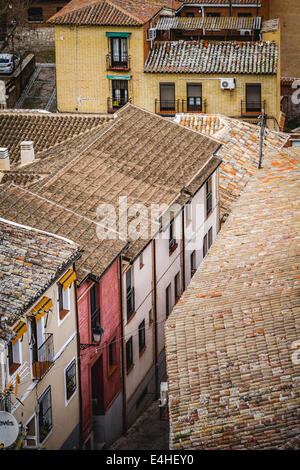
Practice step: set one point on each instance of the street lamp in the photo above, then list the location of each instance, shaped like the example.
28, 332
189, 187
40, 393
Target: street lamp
97, 334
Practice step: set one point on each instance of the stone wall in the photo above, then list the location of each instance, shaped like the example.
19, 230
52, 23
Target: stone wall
34, 39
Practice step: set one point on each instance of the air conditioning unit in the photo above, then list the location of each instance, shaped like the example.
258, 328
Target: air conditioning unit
228, 83
163, 394
245, 32
151, 34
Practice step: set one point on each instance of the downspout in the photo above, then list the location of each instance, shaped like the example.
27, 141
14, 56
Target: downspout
157, 392
183, 251
79, 370
122, 339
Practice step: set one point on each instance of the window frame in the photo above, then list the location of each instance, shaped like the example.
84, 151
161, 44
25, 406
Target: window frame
208, 197
33, 18
72, 364
41, 398
168, 299
129, 355
142, 336
193, 267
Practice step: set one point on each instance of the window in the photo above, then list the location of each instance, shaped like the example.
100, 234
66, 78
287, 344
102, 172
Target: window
213, 15
63, 301
129, 354
129, 294
119, 53
119, 93
190, 14
177, 286
210, 237
94, 308
188, 213
112, 356
194, 97
208, 192
70, 376
253, 98
204, 246
13, 356
142, 337
193, 263
244, 15
167, 97
150, 316
168, 300
35, 14
141, 261
172, 241
45, 415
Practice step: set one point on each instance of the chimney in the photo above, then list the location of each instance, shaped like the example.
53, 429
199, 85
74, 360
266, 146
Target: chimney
4, 159
27, 152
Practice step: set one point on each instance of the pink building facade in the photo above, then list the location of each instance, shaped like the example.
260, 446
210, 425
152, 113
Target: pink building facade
100, 365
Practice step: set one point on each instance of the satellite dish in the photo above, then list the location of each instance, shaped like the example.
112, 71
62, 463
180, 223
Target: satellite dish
9, 429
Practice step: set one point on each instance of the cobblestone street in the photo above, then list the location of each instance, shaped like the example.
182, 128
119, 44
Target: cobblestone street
149, 432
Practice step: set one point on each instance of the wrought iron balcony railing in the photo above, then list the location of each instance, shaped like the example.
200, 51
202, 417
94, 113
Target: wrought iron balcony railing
194, 105
114, 104
43, 357
123, 63
252, 108
167, 107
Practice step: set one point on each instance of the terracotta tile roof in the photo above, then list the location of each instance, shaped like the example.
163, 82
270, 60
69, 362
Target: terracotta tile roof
110, 12
207, 23
210, 57
233, 383
140, 155
30, 261
45, 129
222, 2
239, 151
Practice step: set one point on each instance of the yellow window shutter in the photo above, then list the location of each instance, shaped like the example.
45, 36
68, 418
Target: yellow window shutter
68, 278
20, 329
41, 308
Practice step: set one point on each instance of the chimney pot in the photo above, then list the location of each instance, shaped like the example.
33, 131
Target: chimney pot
27, 152
4, 159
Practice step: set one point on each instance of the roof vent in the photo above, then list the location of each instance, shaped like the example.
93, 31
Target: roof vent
4, 159
27, 152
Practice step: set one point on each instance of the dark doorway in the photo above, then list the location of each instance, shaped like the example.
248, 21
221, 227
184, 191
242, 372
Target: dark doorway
97, 387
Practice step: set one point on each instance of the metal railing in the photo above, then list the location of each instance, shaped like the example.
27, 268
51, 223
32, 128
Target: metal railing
252, 108
43, 357
167, 107
123, 64
113, 105
197, 107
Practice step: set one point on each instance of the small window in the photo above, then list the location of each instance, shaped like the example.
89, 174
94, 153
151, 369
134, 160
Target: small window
112, 356
63, 301
35, 14
172, 240
168, 300
141, 261
190, 14
188, 213
208, 192
129, 354
71, 379
193, 263
204, 246
142, 336
150, 316
210, 237
94, 308
244, 15
177, 286
13, 356
45, 415
130, 298
213, 15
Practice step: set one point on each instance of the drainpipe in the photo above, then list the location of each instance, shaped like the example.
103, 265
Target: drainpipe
123, 371
79, 367
157, 392
261, 140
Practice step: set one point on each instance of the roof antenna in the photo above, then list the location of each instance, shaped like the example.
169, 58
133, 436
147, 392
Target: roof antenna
262, 124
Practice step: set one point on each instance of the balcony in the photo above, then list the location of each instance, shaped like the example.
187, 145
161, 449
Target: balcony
123, 64
167, 107
252, 108
43, 357
114, 105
